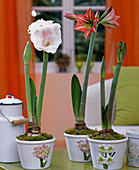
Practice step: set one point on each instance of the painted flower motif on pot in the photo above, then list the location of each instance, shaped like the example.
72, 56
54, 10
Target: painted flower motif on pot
42, 153
102, 149
106, 155
83, 145
45, 35
133, 155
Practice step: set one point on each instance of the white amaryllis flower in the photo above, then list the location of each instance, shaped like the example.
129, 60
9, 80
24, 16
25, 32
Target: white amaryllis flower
45, 35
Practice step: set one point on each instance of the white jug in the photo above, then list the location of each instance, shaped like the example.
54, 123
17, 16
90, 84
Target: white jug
10, 109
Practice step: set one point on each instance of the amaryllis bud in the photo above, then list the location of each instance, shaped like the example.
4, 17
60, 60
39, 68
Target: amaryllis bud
103, 68
121, 51
27, 54
70, 16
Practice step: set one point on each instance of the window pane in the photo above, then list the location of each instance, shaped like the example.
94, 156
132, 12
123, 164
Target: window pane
82, 44
89, 2
47, 2
56, 17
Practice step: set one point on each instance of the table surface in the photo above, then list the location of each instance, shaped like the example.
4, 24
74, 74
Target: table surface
60, 161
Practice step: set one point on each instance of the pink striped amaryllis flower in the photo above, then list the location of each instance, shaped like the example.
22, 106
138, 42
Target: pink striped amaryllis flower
109, 19
87, 23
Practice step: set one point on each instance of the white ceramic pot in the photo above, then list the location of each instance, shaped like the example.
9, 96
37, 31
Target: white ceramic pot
78, 147
108, 154
35, 154
132, 157
10, 109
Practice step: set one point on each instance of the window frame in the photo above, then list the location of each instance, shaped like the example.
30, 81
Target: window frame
68, 41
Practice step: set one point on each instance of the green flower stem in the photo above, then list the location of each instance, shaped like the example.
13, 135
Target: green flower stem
42, 163
41, 93
112, 94
85, 156
102, 88
105, 166
89, 58
29, 105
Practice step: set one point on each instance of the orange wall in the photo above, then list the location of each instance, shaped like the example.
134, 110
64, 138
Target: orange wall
57, 114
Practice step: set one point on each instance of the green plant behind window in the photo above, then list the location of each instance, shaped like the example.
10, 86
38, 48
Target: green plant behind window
89, 2
47, 2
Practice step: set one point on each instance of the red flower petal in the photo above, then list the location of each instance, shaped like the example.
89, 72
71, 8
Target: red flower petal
88, 32
86, 23
89, 15
80, 27
80, 18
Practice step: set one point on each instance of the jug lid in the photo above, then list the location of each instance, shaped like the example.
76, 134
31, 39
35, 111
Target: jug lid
133, 133
10, 100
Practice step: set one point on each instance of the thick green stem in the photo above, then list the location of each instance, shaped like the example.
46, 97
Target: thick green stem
112, 94
102, 89
41, 93
89, 58
102, 92
29, 105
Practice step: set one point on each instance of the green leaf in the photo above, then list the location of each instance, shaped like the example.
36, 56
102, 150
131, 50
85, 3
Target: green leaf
35, 107
28, 92
112, 94
104, 117
76, 95
27, 54
103, 68
33, 96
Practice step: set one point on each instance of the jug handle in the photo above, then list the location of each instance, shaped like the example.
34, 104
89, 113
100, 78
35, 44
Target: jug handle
19, 122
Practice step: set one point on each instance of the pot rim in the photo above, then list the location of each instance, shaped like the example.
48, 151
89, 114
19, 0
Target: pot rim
35, 142
74, 136
107, 141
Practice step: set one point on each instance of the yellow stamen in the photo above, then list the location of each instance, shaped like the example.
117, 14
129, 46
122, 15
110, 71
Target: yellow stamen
45, 44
